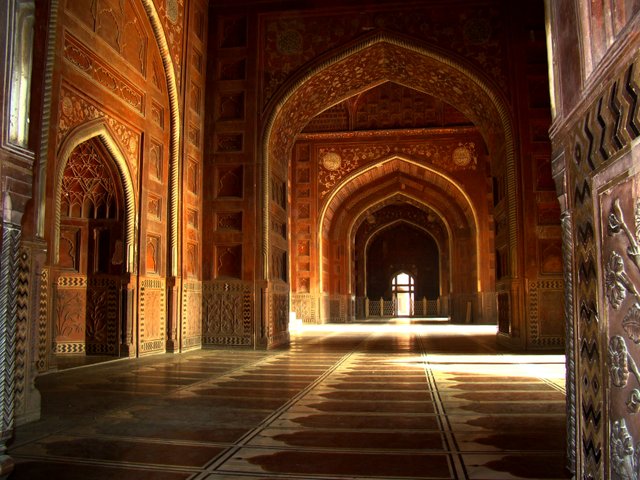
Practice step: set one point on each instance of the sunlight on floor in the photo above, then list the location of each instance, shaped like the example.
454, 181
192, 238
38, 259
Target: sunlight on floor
402, 325
549, 367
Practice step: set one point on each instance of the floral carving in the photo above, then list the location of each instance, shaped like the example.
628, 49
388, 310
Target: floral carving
631, 323
617, 224
75, 110
618, 361
615, 280
621, 363
624, 458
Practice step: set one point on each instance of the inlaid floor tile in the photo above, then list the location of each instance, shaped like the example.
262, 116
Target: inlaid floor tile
349, 439
395, 421
121, 450
426, 466
369, 403
40, 469
507, 467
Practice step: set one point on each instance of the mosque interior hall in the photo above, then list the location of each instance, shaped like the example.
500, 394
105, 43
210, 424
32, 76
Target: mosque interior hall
291, 239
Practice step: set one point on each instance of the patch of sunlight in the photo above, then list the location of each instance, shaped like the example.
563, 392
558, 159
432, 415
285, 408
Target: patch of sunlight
510, 365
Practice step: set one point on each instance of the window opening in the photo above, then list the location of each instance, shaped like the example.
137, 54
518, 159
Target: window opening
403, 288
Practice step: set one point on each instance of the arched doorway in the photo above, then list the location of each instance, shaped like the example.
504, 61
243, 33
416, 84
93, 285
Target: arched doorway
91, 248
403, 292
403, 266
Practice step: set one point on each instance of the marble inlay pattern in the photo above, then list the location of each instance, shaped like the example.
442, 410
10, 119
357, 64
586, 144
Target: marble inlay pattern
350, 401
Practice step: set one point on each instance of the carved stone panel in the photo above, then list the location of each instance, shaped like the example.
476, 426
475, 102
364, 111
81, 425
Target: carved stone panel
546, 314
117, 23
191, 315
69, 315
227, 313
229, 181
620, 236
305, 306
152, 316
86, 315
82, 58
278, 315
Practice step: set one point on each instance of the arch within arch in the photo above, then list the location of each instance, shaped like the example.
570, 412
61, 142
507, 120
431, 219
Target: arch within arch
427, 170
416, 202
387, 226
76, 137
383, 57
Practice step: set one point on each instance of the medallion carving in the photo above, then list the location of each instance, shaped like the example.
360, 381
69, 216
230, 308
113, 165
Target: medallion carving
337, 162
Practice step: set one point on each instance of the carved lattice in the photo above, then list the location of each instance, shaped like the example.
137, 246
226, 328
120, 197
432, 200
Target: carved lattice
88, 188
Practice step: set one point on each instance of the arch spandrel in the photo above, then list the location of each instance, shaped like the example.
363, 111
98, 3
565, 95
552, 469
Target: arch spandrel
386, 58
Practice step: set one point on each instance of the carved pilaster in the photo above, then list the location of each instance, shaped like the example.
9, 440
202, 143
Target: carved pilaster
173, 315
9, 260
29, 274
567, 253
127, 343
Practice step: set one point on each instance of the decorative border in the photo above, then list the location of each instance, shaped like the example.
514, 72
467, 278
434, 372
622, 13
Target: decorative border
69, 348
535, 339
77, 54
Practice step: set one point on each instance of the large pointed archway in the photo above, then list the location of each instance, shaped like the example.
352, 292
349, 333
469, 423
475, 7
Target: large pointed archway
376, 59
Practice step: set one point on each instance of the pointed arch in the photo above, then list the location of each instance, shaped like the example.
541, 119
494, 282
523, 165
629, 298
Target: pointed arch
467, 206
100, 130
389, 225
174, 126
370, 61
359, 218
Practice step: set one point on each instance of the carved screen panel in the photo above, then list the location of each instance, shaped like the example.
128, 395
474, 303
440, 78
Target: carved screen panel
88, 189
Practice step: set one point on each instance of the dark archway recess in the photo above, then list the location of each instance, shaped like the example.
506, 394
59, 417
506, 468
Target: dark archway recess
403, 248
91, 258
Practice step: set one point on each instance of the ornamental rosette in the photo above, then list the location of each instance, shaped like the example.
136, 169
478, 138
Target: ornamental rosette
618, 364
623, 459
631, 323
614, 285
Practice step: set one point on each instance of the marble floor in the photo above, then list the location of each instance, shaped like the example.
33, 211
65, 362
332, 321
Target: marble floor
385, 401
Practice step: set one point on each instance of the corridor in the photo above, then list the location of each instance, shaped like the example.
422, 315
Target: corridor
394, 400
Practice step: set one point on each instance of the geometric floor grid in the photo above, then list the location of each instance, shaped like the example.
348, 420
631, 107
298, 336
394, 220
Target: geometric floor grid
393, 400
